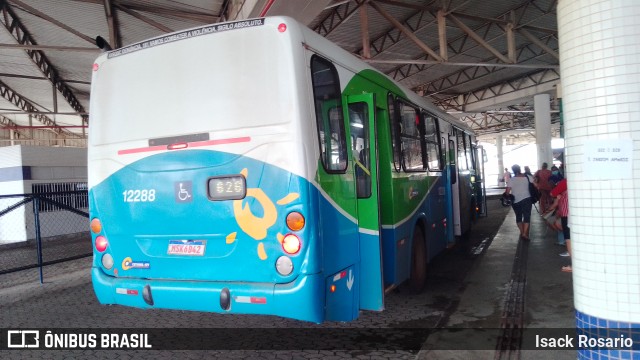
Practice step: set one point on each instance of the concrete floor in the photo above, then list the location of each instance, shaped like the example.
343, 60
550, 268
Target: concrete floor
548, 296
463, 302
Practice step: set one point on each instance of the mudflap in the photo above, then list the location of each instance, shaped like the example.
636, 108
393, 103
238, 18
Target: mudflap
342, 295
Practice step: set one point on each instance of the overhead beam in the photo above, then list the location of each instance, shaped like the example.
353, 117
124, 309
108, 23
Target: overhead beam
387, 40
12, 126
539, 43
338, 16
170, 12
42, 78
465, 16
408, 33
497, 100
42, 15
502, 93
364, 31
114, 34
145, 19
15, 27
2, 112
22, 103
49, 47
442, 34
511, 43
463, 76
452, 63
161, 10
478, 39
42, 126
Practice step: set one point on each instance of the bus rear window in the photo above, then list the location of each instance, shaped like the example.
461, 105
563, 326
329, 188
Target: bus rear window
329, 117
162, 91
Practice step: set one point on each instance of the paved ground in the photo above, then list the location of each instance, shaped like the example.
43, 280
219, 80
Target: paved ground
465, 290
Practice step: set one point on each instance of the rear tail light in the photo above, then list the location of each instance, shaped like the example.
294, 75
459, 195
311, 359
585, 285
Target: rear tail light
295, 221
107, 261
101, 243
291, 244
96, 226
284, 266
178, 146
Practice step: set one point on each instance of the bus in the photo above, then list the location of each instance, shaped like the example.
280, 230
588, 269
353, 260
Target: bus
254, 167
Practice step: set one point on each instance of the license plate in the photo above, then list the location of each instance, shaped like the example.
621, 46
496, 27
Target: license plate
187, 247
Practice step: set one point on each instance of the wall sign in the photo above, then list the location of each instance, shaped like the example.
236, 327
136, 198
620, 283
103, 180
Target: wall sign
608, 159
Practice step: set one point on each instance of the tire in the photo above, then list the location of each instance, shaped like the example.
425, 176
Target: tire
418, 275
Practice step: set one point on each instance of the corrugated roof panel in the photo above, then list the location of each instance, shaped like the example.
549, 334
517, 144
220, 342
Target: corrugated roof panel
348, 35
68, 120
38, 92
133, 30
89, 18
172, 23
75, 66
81, 91
19, 119
16, 62
85, 18
6, 106
212, 7
171, 14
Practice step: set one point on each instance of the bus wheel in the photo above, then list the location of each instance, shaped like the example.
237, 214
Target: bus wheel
418, 275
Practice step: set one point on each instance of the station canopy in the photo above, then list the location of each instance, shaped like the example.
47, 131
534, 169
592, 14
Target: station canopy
481, 61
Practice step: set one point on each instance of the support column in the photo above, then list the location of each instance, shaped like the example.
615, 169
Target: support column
599, 62
500, 157
542, 109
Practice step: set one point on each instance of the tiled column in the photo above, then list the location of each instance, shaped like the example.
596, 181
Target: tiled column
542, 109
500, 157
600, 69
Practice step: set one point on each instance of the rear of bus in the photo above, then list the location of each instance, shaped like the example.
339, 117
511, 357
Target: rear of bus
198, 197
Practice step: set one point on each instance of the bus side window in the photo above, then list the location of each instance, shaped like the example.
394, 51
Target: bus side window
443, 152
431, 137
462, 154
359, 120
394, 125
411, 137
470, 153
329, 116
452, 162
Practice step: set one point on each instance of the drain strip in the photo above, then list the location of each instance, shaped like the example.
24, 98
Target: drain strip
511, 323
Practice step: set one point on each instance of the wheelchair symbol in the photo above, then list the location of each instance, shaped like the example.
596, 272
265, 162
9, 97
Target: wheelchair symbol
183, 194
183, 191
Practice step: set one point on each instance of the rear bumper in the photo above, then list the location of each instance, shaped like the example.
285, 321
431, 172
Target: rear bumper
306, 292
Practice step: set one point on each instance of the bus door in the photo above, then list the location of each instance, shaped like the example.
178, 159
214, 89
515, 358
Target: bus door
362, 125
454, 180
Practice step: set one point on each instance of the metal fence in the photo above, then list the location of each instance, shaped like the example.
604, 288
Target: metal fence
43, 228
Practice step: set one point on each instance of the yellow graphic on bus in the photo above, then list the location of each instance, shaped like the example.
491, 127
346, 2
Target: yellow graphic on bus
252, 225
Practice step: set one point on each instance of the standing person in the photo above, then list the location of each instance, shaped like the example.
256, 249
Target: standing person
556, 176
542, 183
506, 176
562, 205
519, 186
527, 171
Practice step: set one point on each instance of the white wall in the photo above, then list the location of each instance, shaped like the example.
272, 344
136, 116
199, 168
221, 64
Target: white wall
47, 165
